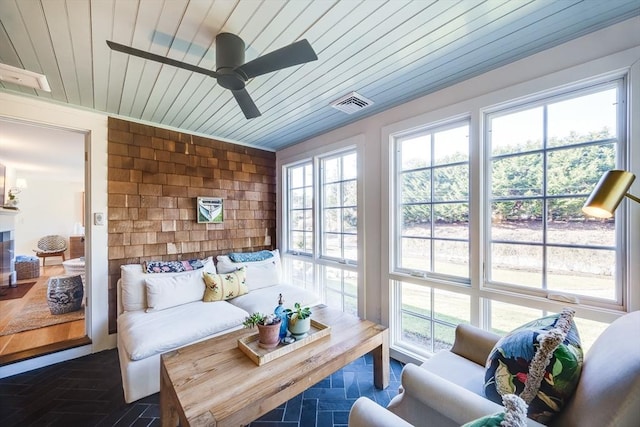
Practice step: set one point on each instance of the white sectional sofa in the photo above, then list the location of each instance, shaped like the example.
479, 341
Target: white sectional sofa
159, 312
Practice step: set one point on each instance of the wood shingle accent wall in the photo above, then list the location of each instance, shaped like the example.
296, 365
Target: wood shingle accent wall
154, 178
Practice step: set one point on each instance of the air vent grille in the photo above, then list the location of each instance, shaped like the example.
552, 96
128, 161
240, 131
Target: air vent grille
351, 103
21, 77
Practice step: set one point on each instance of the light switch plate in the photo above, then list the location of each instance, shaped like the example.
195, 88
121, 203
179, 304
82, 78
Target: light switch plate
98, 218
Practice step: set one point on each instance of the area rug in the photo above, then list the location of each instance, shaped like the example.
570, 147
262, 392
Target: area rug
35, 314
15, 293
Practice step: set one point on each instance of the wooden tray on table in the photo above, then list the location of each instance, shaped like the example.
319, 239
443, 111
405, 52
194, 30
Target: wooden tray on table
249, 345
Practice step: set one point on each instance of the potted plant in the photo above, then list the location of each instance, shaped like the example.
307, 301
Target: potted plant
268, 328
299, 320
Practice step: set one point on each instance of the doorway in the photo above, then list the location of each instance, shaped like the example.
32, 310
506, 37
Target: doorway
45, 166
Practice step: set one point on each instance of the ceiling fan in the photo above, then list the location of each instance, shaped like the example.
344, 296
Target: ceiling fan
231, 71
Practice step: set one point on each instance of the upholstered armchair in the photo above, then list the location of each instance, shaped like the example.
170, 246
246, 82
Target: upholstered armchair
447, 390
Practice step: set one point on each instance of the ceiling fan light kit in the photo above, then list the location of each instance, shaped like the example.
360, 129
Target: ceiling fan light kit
232, 72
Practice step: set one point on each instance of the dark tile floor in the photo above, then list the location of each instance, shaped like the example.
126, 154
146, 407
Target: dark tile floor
88, 392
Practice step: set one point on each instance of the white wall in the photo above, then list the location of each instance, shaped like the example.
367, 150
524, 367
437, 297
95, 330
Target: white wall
94, 128
47, 207
611, 49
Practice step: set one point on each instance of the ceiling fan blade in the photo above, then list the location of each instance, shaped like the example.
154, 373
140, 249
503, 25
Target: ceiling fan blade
246, 103
297, 53
163, 59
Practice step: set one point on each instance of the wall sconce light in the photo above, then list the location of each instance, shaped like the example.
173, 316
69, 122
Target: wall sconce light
608, 193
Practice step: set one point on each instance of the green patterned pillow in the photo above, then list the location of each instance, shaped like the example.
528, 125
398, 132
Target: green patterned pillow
220, 287
540, 361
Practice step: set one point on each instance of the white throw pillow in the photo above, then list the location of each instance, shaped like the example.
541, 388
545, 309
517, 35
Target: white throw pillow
260, 274
166, 292
133, 286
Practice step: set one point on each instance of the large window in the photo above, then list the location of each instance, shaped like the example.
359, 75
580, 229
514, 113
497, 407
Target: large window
545, 159
432, 229
322, 227
506, 256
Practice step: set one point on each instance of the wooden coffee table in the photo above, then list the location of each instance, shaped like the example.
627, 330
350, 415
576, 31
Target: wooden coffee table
213, 383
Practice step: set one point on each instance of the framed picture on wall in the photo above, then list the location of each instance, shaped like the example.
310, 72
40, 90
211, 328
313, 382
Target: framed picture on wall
210, 210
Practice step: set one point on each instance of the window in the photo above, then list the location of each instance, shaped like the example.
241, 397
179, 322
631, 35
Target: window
427, 316
329, 267
432, 208
432, 200
545, 158
300, 213
339, 207
534, 164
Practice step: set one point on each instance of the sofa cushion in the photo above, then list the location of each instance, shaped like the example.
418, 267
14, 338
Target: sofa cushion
169, 291
260, 274
551, 343
145, 334
265, 300
133, 285
220, 287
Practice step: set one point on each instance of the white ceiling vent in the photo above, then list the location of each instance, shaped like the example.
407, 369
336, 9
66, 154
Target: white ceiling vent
21, 77
351, 103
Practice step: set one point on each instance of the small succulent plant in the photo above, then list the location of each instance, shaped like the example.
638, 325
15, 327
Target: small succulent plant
260, 319
298, 312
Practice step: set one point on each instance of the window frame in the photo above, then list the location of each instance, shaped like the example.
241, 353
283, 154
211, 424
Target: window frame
321, 160
288, 207
480, 294
618, 81
320, 263
396, 204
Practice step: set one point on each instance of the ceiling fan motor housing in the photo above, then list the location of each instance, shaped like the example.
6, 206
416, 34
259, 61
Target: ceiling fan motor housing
230, 55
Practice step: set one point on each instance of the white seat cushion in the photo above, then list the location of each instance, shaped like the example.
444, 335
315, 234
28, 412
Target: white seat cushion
145, 334
265, 300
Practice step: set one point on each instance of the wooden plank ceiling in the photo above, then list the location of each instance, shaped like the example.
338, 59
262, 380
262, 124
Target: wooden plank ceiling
388, 51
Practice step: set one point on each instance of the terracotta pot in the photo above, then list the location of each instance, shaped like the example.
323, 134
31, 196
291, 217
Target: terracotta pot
269, 335
300, 328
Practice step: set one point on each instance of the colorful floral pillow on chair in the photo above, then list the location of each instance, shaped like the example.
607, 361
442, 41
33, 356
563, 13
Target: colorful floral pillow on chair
540, 361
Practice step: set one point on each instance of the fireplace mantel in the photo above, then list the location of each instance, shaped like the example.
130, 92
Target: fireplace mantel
7, 219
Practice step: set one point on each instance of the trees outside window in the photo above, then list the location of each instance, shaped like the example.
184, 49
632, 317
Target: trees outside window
537, 161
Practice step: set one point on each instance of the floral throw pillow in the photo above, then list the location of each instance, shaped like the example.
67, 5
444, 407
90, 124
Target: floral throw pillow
220, 287
540, 361
172, 266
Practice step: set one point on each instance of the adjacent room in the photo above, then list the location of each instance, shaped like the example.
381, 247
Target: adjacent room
48, 236
329, 212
